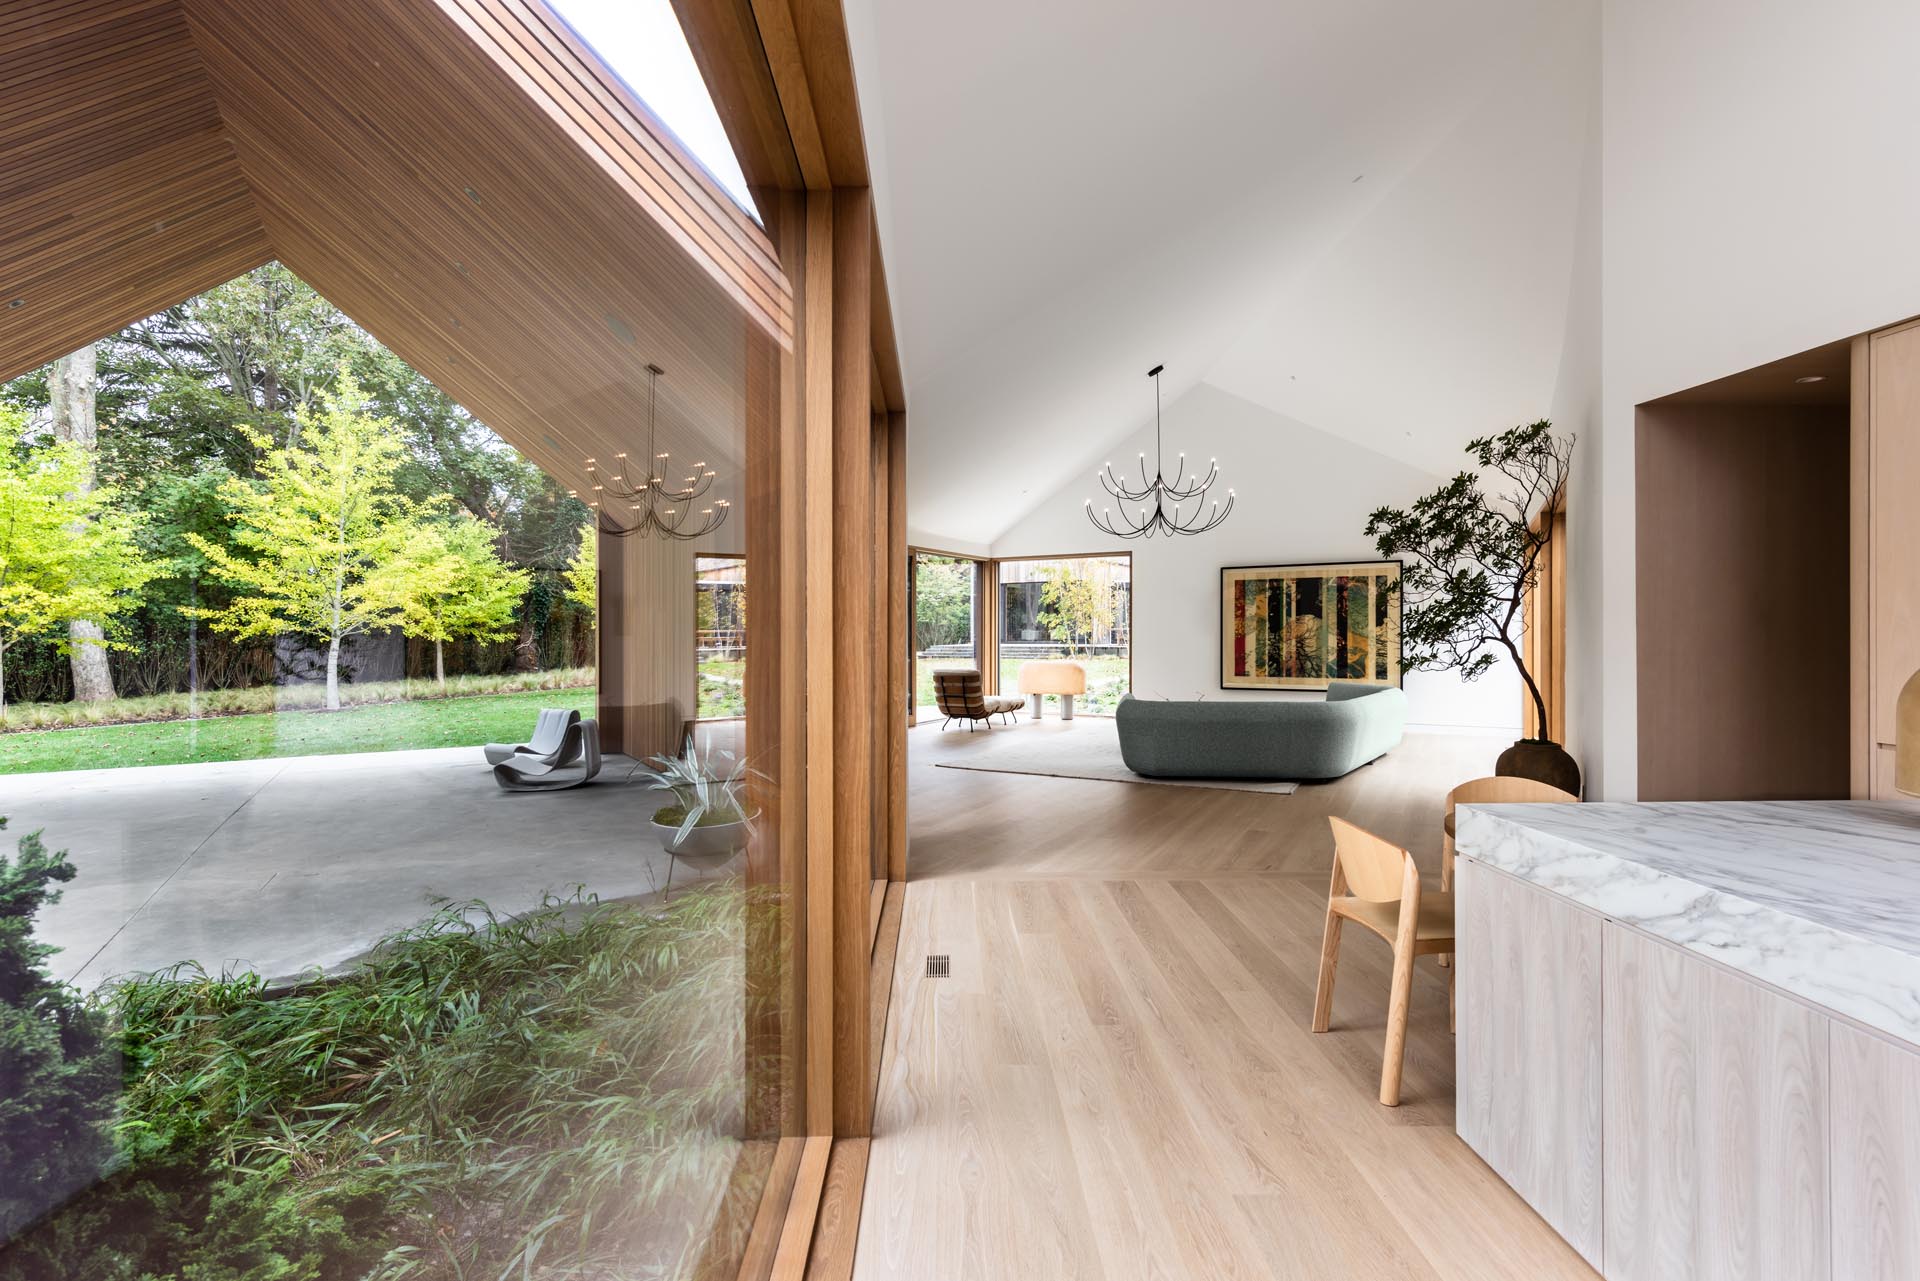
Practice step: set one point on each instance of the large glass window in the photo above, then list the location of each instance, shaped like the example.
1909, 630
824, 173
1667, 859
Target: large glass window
945, 614
1078, 608
345, 929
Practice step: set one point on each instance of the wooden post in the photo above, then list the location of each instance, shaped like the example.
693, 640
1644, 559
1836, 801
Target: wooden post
817, 335
899, 648
852, 610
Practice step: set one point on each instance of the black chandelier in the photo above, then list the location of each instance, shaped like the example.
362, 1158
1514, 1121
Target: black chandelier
658, 508
1165, 516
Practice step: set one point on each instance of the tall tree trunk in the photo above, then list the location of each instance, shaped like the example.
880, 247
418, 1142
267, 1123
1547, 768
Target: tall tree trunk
526, 648
440, 663
333, 674
71, 388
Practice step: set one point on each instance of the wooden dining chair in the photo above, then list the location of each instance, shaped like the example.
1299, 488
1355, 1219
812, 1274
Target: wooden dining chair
1493, 791
1375, 884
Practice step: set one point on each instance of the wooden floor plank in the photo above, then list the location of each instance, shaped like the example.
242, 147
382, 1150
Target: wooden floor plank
1118, 1080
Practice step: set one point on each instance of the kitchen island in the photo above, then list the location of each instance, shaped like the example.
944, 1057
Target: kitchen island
1689, 1034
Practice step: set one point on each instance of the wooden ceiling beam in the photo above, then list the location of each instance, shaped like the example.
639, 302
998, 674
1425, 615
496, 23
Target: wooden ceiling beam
888, 375
820, 33
724, 36
787, 63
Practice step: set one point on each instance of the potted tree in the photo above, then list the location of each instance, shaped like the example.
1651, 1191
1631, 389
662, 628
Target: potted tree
1470, 559
710, 817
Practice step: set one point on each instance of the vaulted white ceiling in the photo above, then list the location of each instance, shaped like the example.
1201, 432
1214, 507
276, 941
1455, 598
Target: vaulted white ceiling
1360, 215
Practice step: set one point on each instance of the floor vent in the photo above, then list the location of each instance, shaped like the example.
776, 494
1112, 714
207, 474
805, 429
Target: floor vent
938, 967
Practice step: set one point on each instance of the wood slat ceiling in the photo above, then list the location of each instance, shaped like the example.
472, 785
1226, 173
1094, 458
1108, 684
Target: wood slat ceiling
119, 191
461, 177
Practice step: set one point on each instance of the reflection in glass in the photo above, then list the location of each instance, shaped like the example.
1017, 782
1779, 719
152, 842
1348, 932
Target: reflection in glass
720, 634
289, 986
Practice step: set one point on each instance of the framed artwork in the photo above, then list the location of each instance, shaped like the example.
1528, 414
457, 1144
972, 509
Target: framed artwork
1301, 626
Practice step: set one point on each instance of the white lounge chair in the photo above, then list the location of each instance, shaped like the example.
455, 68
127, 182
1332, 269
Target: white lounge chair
545, 747
577, 762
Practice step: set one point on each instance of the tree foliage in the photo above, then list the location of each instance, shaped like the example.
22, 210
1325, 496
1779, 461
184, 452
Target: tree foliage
1075, 606
449, 581
317, 531
186, 399
943, 603
1472, 556
66, 551
583, 571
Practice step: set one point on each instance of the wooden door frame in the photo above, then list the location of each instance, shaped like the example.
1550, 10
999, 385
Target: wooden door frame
1544, 627
982, 586
698, 719
781, 76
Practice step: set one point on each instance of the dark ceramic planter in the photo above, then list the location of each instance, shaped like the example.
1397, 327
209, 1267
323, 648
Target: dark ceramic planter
1541, 761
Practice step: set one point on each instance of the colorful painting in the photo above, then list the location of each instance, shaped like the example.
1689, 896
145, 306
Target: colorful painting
1301, 626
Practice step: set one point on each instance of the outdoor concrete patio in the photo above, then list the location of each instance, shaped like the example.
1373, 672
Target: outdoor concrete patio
281, 865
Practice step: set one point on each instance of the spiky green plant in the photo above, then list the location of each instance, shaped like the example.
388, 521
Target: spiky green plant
708, 788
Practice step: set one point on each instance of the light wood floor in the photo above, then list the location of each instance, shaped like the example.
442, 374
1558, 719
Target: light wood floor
1117, 1080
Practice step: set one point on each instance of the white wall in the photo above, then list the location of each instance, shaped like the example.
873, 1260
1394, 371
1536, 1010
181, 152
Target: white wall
1304, 496
1575, 408
1759, 195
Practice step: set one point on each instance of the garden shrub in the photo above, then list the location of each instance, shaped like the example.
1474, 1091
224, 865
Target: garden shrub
58, 1075
555, 1095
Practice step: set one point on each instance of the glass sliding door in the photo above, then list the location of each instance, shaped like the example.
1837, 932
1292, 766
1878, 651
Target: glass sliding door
310, 974
1078, 608
946, 611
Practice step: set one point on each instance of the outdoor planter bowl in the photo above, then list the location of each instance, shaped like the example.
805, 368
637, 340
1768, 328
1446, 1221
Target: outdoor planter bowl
712, 845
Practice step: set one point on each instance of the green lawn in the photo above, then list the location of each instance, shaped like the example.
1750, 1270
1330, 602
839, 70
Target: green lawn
723, 687
381, 727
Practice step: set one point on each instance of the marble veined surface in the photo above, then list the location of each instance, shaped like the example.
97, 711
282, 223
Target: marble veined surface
1820, 898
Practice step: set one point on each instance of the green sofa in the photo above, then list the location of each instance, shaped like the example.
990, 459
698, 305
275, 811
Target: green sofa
1266, 739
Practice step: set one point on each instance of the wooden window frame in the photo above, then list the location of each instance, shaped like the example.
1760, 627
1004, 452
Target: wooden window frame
1544, 628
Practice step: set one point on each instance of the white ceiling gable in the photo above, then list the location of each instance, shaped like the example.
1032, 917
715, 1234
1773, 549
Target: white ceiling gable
1072, 192
1441, 315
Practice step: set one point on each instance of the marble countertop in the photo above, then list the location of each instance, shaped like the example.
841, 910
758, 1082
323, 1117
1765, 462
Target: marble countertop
1819, 898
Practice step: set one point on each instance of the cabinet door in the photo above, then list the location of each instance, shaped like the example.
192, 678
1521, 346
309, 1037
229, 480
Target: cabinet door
1716, 1122
1527, 1054
1876, 1158
1894, 521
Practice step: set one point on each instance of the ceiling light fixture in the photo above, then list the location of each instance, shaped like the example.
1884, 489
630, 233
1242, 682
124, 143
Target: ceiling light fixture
1811, 378
660, 509
1164, 517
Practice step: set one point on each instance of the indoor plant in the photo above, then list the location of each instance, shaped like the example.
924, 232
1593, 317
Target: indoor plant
711, 815
1470, 558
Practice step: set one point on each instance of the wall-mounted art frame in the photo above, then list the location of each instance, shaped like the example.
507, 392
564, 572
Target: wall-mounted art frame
1302, 626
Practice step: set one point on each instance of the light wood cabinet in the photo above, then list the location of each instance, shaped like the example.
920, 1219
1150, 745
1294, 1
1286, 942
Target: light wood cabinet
1717, 1130
1876, 1158
1528, 1053
1673, 1119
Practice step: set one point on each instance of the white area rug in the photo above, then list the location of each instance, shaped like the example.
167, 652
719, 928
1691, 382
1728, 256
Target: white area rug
1087, 747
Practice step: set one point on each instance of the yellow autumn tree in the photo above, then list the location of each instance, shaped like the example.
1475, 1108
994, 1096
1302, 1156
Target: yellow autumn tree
318, 529
66, 550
